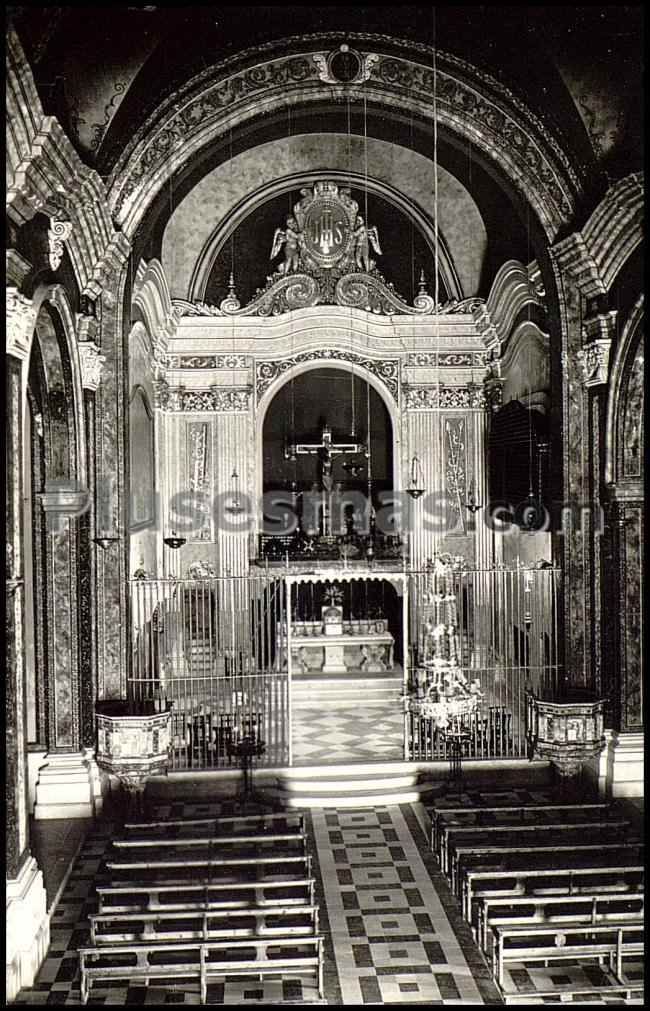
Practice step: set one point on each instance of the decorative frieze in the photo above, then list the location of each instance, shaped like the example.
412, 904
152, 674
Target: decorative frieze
233, 400
58, 233
433, 398
225, 362
594, 362
92, 363
385, 369
21, 318
455, 359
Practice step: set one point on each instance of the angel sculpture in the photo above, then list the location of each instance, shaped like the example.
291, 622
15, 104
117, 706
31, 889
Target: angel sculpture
289, 237
363, 238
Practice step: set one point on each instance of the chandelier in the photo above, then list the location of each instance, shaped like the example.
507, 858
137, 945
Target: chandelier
443, 694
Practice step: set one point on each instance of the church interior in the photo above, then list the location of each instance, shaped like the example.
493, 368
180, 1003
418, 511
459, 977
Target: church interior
324, 505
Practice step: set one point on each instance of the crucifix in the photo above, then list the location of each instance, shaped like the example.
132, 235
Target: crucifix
326, 451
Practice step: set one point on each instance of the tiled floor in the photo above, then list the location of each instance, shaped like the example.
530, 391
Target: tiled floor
393, 932
338, 735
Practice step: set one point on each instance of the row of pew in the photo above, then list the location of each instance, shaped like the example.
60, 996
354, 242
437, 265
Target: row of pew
205, 899
546, 884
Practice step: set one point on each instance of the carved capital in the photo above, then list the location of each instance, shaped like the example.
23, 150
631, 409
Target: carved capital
21, 317
58, 233
63, 499
594, 362
92, 363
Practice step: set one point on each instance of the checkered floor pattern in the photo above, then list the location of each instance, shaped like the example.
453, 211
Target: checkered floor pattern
374, 732
393, 931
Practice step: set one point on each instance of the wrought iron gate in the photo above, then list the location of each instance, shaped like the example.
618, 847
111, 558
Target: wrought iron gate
211, 647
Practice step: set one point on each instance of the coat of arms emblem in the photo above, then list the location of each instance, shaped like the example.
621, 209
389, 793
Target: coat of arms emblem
325, 231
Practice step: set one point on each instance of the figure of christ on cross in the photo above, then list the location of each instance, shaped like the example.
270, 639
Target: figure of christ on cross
327, 451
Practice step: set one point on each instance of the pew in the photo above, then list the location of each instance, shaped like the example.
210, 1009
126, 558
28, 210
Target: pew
134, 848
599, 873
138, 962
174, 871
205, 895
595, 908
276, 957
454, 836
464, 857
205, 961
575, 941
203, 924
441, 816
217, 825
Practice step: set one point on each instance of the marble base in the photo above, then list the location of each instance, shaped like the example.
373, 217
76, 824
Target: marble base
619, 768
68, 787
35, 761
28, 928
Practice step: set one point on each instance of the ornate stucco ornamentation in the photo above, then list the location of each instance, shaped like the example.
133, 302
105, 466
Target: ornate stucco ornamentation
385, 369
232, 400
224, 362
431, 398
594, 362
21, 318
92, 362
58, 233
453, 359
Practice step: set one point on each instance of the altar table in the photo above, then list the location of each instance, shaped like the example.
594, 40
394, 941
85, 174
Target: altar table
371, 652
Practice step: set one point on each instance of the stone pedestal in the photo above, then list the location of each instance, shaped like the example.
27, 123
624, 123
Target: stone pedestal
66, 787
28, 928
619, 769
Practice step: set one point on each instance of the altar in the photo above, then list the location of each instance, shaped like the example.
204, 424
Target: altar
335, 646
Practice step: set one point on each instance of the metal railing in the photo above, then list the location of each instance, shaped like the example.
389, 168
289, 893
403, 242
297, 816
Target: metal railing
211, 647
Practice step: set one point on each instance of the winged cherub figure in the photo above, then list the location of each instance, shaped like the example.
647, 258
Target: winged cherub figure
291, 238
365, 237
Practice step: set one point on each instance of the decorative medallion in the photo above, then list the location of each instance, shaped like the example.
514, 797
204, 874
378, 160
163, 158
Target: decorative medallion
324, 232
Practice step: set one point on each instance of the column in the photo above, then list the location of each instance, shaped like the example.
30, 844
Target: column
580, 294
27, 922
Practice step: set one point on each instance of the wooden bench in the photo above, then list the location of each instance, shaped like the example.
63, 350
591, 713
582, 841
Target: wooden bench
203, 925
205, 895
205, 961
138, 962
276, 957
457, 838
289, 842
483, 882
464, 857
577, 994
595, 908
230, 825
574, 941
515, 815
222, 868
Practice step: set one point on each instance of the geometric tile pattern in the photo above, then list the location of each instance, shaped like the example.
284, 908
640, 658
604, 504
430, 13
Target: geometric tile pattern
393, 940
369, 733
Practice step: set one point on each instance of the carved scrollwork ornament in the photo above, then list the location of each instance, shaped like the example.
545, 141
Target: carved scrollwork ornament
58, 233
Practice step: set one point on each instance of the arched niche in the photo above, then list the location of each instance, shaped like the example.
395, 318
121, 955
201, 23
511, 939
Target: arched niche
56, 548
303, 369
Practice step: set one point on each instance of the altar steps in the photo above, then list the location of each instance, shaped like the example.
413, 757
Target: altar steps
371, 785
309, 691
